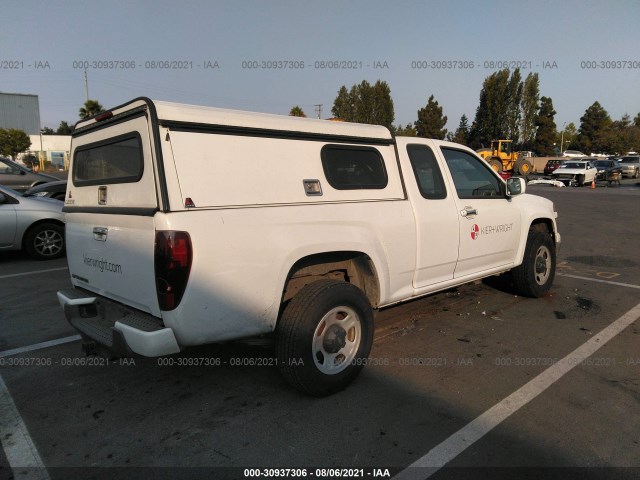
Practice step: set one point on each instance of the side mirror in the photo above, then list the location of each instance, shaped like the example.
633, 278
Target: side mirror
516, 186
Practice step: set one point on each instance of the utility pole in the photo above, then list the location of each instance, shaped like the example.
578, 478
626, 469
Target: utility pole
86, 84
319, 110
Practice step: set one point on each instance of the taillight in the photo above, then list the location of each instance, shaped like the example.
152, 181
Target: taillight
172, 259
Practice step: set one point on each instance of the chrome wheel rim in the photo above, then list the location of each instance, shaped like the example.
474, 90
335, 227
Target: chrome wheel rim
542, 265
336, 340
48, 243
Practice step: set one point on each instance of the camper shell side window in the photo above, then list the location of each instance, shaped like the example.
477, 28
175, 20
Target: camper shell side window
352, 168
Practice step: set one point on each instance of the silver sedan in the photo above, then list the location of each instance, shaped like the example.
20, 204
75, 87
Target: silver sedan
31, 223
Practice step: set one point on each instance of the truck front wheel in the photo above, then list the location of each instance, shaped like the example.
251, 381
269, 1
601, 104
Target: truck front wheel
324, 337
534, 276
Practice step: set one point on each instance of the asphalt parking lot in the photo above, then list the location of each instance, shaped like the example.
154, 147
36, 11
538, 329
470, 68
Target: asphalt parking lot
476, 380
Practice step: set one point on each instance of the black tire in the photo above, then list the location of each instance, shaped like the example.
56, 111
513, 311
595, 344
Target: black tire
523, 167
45, 241
533, 278
495, 164
580, 180
309, 331
635, 174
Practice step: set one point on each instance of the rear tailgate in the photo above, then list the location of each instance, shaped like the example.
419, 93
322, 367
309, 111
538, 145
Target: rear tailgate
110, 205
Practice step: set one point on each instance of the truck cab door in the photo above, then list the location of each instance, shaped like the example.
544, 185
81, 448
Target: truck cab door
489, 222
435, 214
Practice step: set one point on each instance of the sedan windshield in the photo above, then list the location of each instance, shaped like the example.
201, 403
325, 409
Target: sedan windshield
580, 165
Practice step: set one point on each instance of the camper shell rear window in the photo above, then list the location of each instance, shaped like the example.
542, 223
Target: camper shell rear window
116, 160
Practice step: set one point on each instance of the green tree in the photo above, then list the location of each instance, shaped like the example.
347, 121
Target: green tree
594, 134
529, 106
461, 134
64, 129
567, 137
545, 128
47, 131
343, 107
624, 135
636, 121
431, 122
365, 103
383, 111
13, 142
89, 109
297, 112
513, 100
496, 115
406, 131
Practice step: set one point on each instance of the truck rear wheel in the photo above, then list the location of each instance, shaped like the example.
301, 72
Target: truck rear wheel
324, 337
534, 276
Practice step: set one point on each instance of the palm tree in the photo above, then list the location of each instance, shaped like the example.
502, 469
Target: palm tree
89, 109
297, 112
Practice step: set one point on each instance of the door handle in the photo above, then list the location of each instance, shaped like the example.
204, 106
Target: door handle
468, 211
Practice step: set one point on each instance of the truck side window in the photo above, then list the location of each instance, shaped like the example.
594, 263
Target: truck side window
352, 168
427, 173
471, 176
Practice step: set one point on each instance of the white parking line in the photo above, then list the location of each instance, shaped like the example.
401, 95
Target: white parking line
13, 275
457, 443
618, 284
38, 346
19, 449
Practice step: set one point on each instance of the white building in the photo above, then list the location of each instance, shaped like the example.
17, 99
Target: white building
50, 148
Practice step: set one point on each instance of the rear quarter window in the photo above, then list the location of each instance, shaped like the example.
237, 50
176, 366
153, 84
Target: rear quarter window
353, 168
116, 160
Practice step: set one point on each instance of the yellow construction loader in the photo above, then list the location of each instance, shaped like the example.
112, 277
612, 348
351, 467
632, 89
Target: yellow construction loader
502, 159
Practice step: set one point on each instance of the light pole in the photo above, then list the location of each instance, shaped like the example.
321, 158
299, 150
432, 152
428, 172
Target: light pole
562, 139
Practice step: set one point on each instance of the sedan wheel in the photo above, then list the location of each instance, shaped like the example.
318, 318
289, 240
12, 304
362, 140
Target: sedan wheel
45, 241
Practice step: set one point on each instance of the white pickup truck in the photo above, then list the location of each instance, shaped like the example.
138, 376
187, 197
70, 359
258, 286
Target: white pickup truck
188, 225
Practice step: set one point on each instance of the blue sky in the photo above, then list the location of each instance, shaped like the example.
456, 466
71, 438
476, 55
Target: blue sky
367, 33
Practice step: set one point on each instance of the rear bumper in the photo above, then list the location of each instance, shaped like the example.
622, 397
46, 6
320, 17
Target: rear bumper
116, 327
